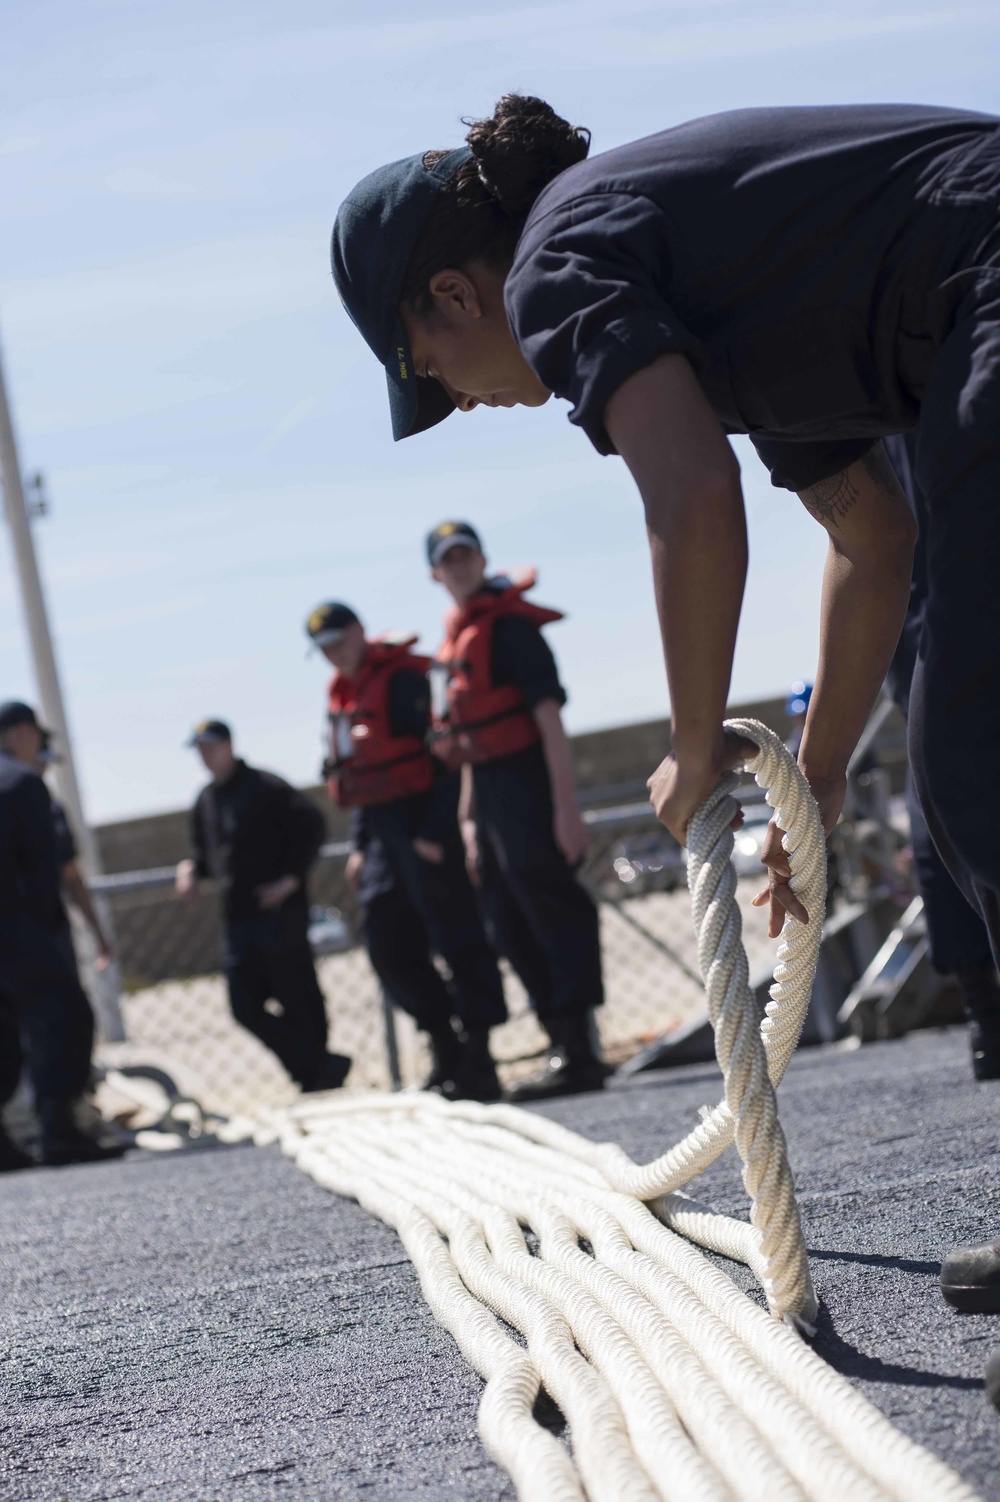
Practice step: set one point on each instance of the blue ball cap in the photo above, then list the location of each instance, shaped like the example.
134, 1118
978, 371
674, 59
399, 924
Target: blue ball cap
448, 535
377, 226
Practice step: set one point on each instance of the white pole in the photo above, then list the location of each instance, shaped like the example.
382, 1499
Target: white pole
104, 984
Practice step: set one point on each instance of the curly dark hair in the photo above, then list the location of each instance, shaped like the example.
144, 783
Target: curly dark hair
480, 212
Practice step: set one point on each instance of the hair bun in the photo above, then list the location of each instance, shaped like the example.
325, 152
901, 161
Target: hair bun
521, 147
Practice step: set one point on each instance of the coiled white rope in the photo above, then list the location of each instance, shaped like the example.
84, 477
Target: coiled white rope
673, 1383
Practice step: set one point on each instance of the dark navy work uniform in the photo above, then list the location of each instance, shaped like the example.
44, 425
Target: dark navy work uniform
41, 999
415, 908
832, 275
957, 935
542, 918
247, 832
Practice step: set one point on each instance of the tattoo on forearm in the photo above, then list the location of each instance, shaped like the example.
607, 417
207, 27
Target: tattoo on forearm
830, 500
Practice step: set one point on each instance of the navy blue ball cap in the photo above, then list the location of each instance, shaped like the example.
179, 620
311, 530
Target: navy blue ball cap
13, 713
327, 623
208, 733
448, 535
377, 226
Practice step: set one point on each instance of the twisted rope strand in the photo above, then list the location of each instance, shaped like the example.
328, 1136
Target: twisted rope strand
674, 1385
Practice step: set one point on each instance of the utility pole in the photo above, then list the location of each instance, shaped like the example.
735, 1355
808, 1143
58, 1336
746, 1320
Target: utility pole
105, 985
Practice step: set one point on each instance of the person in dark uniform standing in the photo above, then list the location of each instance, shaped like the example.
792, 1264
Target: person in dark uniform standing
497, 715
258, 837
407, 861
958, 938
43, 1007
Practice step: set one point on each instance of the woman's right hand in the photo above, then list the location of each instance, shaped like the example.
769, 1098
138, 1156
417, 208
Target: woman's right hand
678, 788
352, 870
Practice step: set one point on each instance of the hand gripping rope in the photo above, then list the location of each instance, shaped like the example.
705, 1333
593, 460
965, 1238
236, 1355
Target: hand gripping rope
673, 1383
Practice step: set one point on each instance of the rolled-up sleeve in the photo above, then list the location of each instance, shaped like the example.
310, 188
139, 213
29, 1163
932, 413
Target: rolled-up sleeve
796, 466
585, 301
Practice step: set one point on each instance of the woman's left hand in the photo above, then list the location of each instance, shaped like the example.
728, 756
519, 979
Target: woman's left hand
829, 795
571, 834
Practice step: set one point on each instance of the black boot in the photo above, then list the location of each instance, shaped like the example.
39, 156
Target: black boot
981, 994
571, 1068
476, 1075
970, 1278
13, 1157
446, 1056
331, 1074
62, 1140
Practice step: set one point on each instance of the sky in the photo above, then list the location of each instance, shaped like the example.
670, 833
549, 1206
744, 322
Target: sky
212, 430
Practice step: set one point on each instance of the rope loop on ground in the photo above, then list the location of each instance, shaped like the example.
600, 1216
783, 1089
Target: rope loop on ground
673, 1384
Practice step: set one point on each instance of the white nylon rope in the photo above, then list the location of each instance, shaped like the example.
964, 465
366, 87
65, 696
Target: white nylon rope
672, 1382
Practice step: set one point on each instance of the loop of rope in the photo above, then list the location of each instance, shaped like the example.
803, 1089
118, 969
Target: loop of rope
673, 1383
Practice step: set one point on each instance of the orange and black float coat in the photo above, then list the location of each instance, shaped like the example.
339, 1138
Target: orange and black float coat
481, 720
367, 763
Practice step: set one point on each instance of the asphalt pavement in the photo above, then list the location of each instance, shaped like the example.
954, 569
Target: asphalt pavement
212, 1325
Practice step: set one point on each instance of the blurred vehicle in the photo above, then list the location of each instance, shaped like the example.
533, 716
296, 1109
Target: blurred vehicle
652, 862
749, 841
329, 931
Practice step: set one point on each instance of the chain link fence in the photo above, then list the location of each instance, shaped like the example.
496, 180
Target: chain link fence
174, 1000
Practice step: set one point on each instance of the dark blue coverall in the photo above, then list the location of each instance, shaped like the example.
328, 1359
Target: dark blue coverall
832, 274
958, 937
42, 1004
247, 832
414, 908
540, 915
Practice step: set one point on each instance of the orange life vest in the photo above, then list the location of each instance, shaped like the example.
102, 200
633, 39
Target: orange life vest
368, 764
473, 719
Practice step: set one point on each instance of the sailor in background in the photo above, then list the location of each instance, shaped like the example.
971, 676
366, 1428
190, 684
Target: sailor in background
43, 1007
496, 712
258, 838
407, 864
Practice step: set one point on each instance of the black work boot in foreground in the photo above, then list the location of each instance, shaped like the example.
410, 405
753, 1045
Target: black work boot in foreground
970, 1278
572, 1067
446, 1056
13, 1157
476, 1075
981, 994
331, 1074
62, 1140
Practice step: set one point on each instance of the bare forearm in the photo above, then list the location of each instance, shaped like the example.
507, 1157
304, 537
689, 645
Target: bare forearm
558, 755
466, 796
689, 481
76, 890
865, 592
863, 607
698, 547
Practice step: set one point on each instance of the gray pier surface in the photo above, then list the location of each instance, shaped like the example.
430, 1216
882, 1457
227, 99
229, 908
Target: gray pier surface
213, 1325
